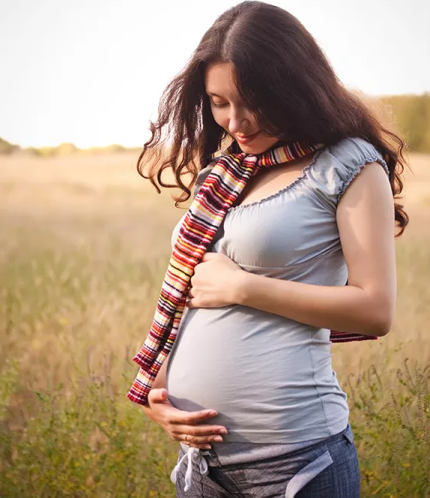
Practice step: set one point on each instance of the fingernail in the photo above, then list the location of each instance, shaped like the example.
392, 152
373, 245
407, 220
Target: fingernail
217, 438
223, 431
211, 412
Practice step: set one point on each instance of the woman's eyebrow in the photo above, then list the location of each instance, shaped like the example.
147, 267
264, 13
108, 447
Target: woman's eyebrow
213, 94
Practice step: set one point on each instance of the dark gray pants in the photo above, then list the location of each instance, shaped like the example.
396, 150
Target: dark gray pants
328, 469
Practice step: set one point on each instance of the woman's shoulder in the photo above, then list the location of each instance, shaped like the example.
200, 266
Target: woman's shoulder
338, 164
353, 152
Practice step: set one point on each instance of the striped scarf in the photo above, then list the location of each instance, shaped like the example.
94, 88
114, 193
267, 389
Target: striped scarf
217, 194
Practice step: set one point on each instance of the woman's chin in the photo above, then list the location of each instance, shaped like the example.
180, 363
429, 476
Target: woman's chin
259, 147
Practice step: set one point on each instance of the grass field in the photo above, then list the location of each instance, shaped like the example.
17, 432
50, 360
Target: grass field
84, 244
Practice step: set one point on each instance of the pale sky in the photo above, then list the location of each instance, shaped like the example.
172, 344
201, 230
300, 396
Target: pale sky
91, 72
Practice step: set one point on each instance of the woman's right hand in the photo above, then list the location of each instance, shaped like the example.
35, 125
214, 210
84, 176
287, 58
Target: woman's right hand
179, 423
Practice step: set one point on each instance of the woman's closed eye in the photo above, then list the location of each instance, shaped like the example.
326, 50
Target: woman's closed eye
218, 105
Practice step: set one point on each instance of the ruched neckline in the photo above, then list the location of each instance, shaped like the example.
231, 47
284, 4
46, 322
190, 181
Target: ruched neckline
295, 182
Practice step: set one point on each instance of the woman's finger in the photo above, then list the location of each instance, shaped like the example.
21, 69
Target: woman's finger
201, 442
204, 439
190, 303
183, 417
198, 430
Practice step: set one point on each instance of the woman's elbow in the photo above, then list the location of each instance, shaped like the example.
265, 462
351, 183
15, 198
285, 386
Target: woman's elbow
383, 320
383, 329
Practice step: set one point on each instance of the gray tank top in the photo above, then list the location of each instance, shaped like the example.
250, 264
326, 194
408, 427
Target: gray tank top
271, 378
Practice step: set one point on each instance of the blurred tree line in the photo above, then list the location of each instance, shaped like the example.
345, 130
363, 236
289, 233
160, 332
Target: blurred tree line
410, 116
64, 149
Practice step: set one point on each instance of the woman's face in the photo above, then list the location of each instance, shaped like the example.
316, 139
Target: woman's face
229, 110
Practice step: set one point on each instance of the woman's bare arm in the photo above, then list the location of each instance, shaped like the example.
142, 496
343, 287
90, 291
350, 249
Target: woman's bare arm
365, 218
159, 383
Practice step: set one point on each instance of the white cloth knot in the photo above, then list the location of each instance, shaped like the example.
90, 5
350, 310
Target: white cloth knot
191, 454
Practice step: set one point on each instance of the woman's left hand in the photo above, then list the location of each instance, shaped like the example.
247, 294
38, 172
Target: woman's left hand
215, 282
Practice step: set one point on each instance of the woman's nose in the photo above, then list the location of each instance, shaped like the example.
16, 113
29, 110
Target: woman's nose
239, 122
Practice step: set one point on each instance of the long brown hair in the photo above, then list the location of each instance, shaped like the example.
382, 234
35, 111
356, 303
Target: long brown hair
283, 75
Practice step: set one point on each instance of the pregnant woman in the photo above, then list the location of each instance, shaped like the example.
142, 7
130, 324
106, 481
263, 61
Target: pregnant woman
293, 182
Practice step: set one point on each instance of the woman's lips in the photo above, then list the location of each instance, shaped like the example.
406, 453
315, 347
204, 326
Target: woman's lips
247, 139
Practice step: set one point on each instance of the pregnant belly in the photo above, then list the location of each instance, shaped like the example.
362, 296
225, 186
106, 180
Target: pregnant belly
209, 359
252, 367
